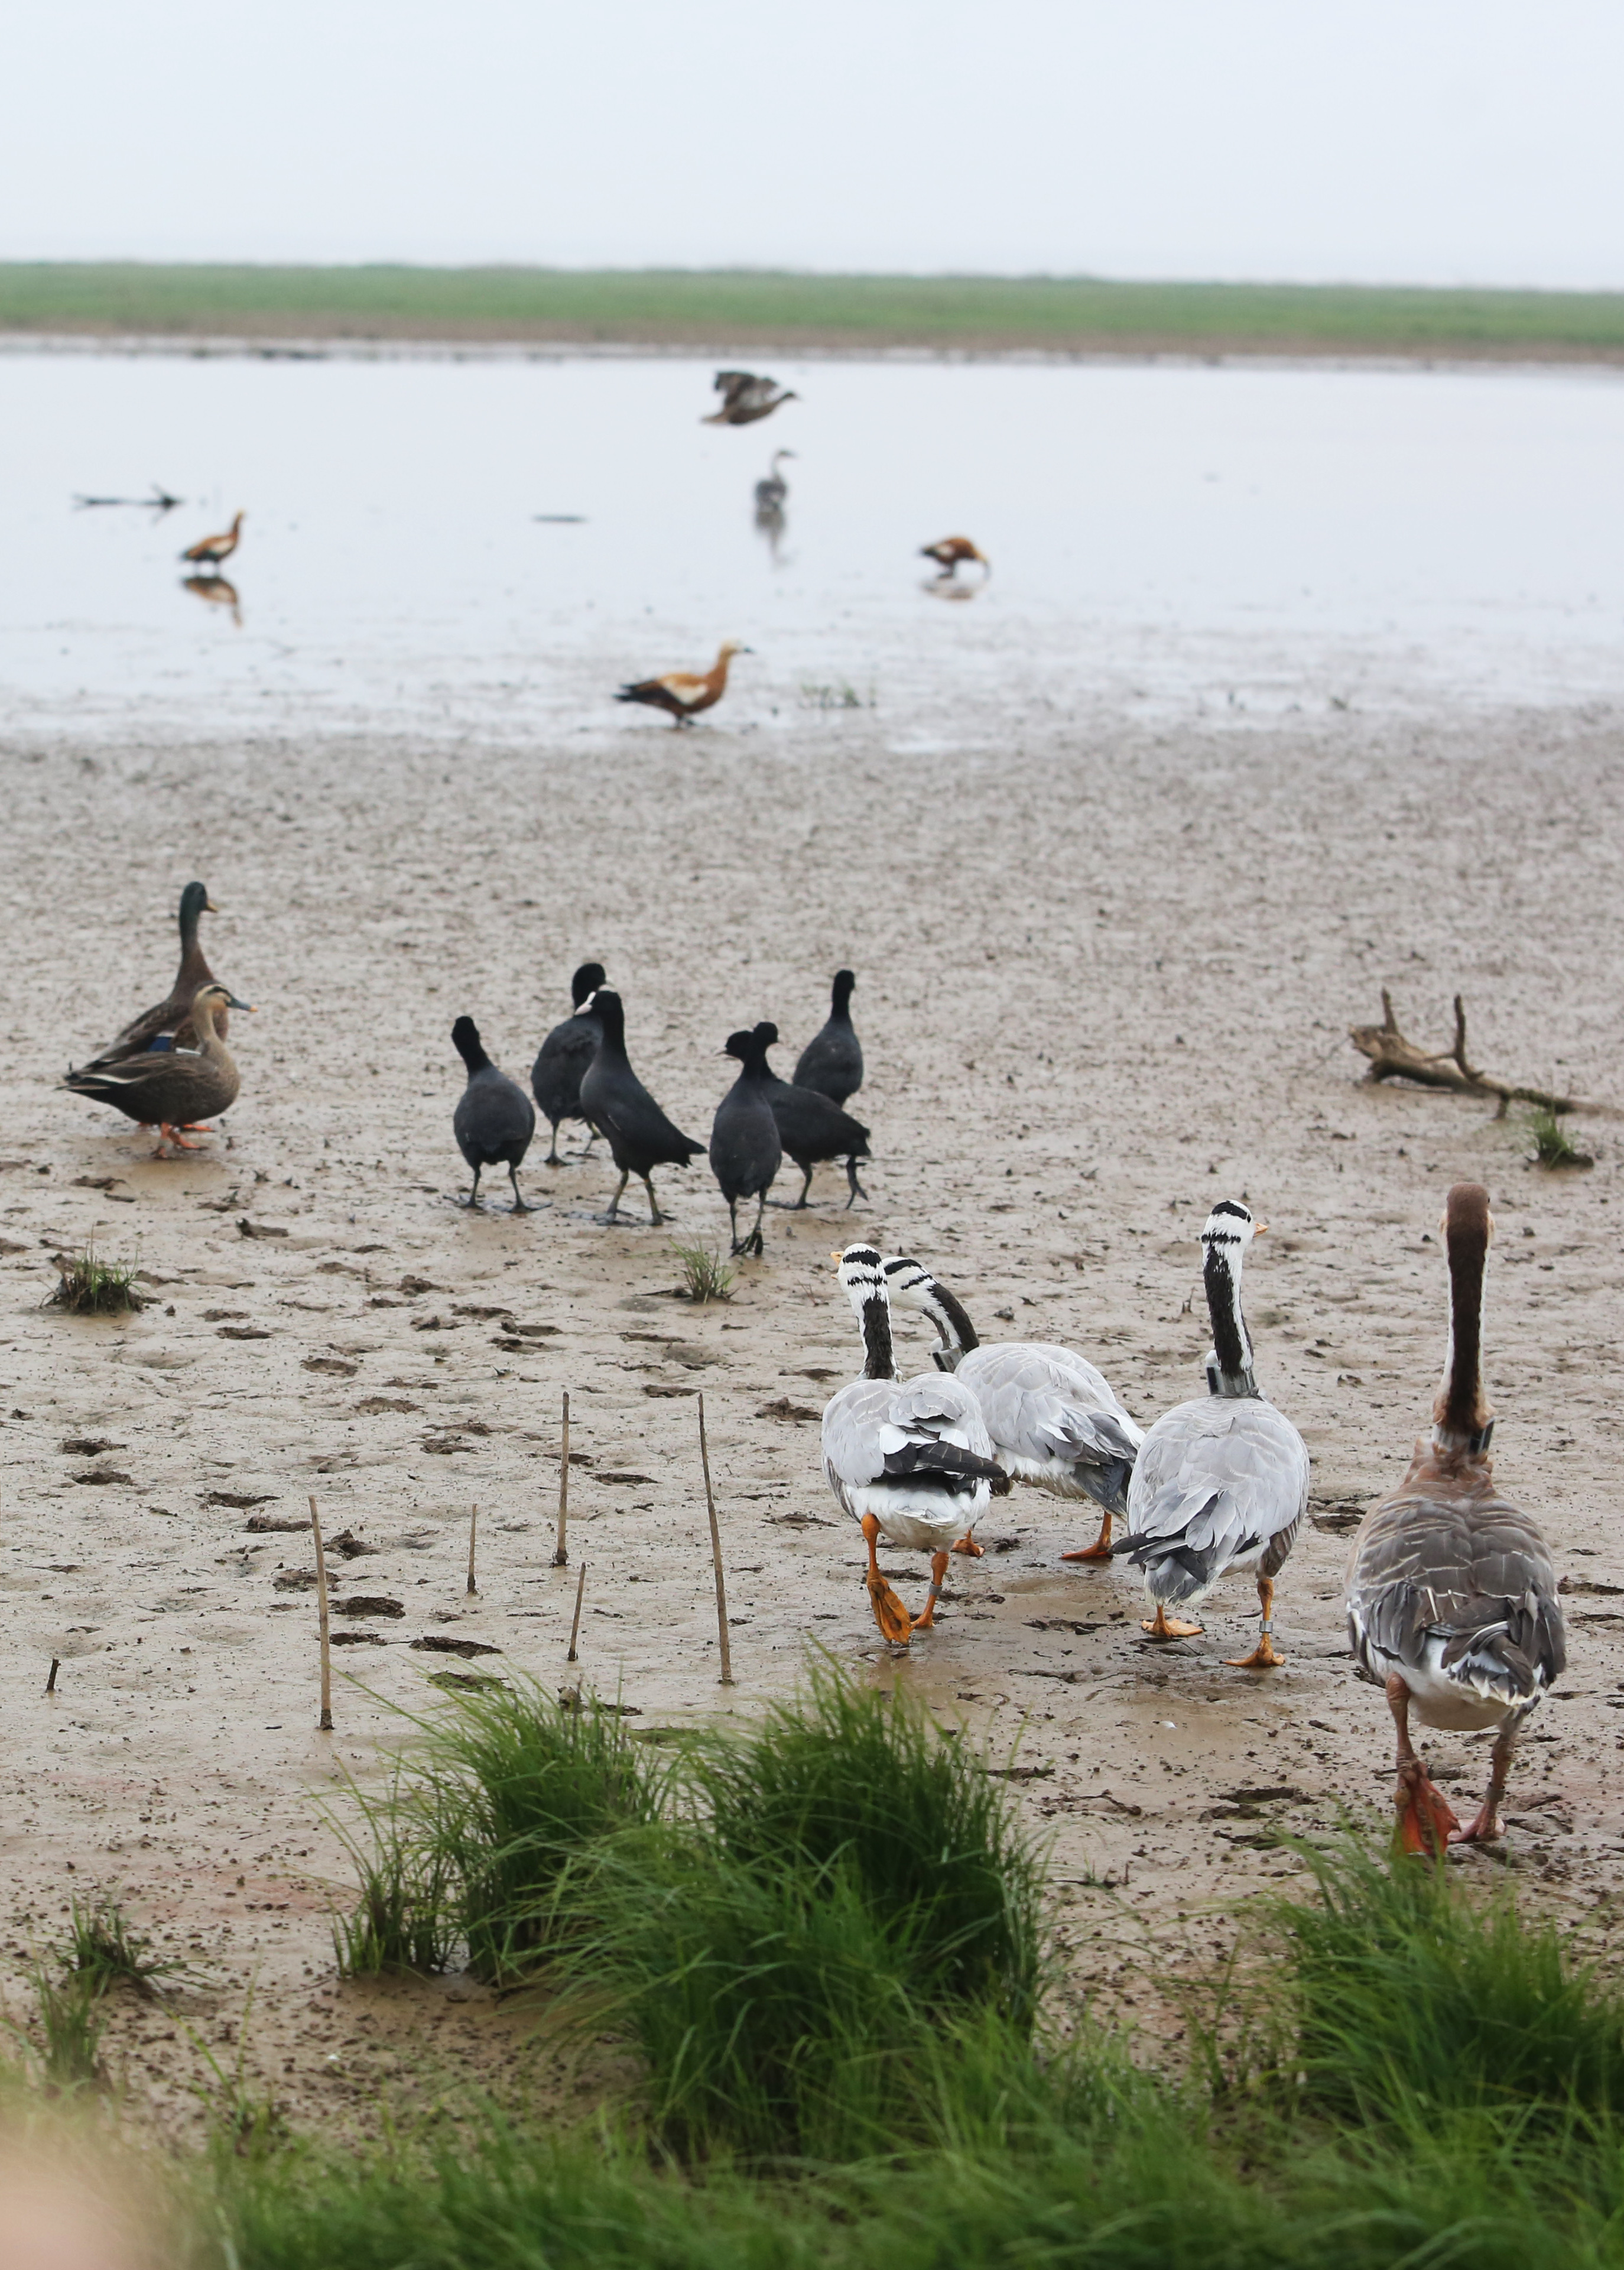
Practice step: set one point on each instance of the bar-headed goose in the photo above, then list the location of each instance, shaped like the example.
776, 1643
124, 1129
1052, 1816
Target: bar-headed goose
1451, 1596
1054, 1419
1221, 1483
563, 1056
910, 1460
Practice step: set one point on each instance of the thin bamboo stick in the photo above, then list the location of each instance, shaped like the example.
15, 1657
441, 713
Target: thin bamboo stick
473, 1529
715, 1556
324, 1724
560, 1558
575, 1629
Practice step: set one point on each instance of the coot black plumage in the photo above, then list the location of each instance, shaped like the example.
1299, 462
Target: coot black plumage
562, 1059
494, 1119
811, 1128
746, 1152
615, 1102
832, 1061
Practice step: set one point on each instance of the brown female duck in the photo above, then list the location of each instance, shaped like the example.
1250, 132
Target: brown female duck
172, 1088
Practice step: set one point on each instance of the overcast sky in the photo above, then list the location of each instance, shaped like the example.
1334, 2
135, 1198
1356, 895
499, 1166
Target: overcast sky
1449, 141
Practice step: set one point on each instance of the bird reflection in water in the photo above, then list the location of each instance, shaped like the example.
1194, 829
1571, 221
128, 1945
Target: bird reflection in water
770, 495
217, 591
950, 554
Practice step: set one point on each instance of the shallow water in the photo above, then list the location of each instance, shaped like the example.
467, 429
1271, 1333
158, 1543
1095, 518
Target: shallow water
1165, 539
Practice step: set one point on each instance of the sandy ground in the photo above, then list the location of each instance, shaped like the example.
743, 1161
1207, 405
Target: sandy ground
1105, 977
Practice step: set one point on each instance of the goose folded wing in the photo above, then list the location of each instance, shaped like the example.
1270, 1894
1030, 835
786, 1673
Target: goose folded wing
1040, 1427
1479, 1578
1218, 1490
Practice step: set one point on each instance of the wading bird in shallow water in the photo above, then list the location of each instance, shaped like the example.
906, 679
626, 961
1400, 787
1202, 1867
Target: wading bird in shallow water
685, 692
494, 1119
1221, 1483
1452, 1606
952, 552
615, 1101
172, 1088
1053, 1419
745, 397
563, 1056
771, 493
911, 1460
209, 551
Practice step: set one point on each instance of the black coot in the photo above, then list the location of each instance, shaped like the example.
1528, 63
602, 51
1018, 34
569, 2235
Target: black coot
564, 1056
811, 1128
615, 1102
494, 1119
832, 1061
745, 1150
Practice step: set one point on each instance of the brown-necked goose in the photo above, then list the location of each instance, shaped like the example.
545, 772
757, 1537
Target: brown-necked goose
1451, 1596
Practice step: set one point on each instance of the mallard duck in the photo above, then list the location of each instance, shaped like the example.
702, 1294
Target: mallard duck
1452, 1604
832, 1061
685, 692
1222, 1482
172, 1015
172, 1088
746, 1152
209, 551
951, 553
745, 397
1054, 1419
911, 1460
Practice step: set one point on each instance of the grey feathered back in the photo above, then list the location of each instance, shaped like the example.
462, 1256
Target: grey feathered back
1214, 1481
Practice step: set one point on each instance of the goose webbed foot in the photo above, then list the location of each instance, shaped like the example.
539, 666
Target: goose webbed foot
895, 1624
1162, 1626
1426, 1821
1099, 1550
938, 1570
1263, 1657
1485, 1828
968, 1546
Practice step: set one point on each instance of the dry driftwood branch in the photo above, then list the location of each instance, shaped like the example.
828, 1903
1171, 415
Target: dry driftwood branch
1394, 1058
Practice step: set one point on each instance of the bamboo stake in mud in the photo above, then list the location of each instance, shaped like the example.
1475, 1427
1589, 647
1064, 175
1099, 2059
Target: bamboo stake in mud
715, 1555
50, 1684
561, 1557
324, 1724
575, 1629
473, 1528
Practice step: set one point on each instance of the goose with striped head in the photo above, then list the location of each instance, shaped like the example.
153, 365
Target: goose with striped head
910, 1460
1452, 1605
1221, 1483
1053, 1418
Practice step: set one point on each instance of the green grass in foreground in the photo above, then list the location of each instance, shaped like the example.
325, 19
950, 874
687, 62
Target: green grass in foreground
762, 308
820, 1936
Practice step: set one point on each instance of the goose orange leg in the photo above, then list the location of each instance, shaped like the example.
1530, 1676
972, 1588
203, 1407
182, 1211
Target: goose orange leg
1486, 1827
1099, 1550
892, 1618
1263, 1657
968, 1546
1426, 1822
938, 1570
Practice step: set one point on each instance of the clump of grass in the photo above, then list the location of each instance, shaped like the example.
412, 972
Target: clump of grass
521, 1790
405, 1918
103, 1949
1413, 1996
841, 696
87, 1286
1554, 1147
69, 2024
706, 1276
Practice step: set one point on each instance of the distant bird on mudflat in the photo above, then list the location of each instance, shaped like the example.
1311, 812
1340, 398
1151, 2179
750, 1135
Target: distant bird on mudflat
952, 553
746, 1152
771, 491
683, 693
494, 1119
562, 1059
615, 1102
209, 551
745, 397
832, 1061
172, 1089
171, 1018
811, 1128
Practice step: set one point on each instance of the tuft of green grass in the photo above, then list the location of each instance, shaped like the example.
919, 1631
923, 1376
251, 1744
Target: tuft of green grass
70, 2020
841, 696
1554, 1147
87, 1286
103, 1949
706, 1276
406, 1918
1412, 1995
